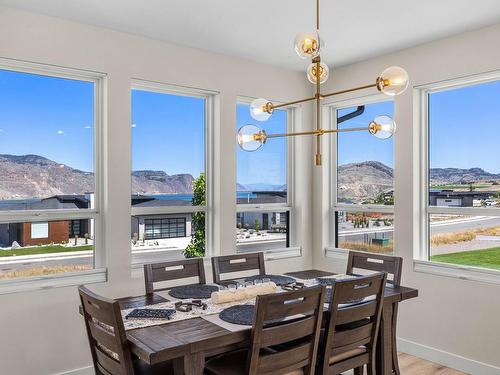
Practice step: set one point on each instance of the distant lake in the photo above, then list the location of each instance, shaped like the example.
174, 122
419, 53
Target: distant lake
6, 204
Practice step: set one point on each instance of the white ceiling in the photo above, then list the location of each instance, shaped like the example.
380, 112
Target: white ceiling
263, 30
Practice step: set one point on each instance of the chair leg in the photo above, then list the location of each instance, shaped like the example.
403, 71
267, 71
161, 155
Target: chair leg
358, 370
395, 361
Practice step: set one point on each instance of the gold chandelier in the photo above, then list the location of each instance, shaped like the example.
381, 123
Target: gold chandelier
308, 45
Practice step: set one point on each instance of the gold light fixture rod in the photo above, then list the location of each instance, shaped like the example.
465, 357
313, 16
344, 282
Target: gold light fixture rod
318, 132
274, 106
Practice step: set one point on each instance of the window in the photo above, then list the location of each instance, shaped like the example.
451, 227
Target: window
263, 191
363, 196
169, 159
39, 230
49, 133
462, 214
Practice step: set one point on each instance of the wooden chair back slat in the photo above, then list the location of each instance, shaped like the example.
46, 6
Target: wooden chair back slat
354, 319
292, 318
106, 334
280, 361
392, 265
355, 313
296, 330
347, 337
175, 270
237, 263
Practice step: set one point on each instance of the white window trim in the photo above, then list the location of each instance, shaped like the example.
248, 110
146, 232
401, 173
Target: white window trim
421, 251
292, 250
209, 97
332, 107
99, 273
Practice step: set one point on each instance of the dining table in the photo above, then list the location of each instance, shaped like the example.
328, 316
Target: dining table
187, 343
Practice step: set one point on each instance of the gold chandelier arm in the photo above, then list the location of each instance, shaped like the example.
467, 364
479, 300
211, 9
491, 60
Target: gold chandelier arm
317, 14
274, 106
349, 90
319, 132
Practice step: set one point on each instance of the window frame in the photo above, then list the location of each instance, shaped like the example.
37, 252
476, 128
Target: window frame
422, 251
288, 206
334, 205
99, 272
209, 96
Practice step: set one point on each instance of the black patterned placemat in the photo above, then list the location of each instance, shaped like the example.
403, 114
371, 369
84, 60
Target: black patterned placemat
277, 279
239, 314
309, 274
193, 291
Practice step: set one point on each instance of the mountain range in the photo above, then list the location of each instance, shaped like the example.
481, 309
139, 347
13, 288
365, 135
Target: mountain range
27, 176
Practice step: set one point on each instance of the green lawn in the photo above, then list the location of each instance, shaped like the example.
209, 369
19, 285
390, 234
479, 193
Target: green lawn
43, 250
487, 258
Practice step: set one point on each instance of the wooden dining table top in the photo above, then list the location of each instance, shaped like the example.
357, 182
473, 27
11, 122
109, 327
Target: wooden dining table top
158, 343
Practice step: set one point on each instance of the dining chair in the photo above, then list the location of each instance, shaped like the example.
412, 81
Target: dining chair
281, 318
108, 342
236, 263
174, 270
393, 266
352, 326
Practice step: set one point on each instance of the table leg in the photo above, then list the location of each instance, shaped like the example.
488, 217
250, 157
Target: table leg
191, 364
384, 347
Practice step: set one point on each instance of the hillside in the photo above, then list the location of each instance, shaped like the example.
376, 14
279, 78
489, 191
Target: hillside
360, 180
29, 176
447, 176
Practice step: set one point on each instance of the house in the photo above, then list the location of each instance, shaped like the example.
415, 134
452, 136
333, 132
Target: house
450, 198
47, 232
159, 226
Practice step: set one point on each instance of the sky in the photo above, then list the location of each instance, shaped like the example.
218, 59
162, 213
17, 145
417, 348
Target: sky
50, 117
464, 127
168, 133
53, 117
361, 146
266, 165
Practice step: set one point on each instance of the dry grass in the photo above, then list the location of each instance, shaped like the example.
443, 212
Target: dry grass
361, 246
43, 270
467, 236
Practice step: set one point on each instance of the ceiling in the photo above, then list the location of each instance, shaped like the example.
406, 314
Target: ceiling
263, 30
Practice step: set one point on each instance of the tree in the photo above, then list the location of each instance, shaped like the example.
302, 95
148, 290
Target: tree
257, 225
196, 247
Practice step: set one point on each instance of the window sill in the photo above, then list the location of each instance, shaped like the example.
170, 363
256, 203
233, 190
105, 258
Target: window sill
336, 253
53, 281
456, 271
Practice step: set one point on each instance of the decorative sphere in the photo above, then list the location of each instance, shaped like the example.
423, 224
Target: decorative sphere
251, 137
312, 73
382, 127
258, 109
308, 44
393, 81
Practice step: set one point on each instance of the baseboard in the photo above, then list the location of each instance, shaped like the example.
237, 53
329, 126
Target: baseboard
79, 371
441, 357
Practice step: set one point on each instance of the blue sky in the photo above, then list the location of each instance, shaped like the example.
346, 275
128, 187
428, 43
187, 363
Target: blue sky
51, 117
465, 127
168, 133
362, 146
267, 165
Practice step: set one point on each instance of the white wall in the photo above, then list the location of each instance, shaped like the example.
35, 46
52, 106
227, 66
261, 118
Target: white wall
41, 332
455, 316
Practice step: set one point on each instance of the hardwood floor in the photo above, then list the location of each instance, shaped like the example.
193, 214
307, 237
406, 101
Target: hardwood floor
410, 365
